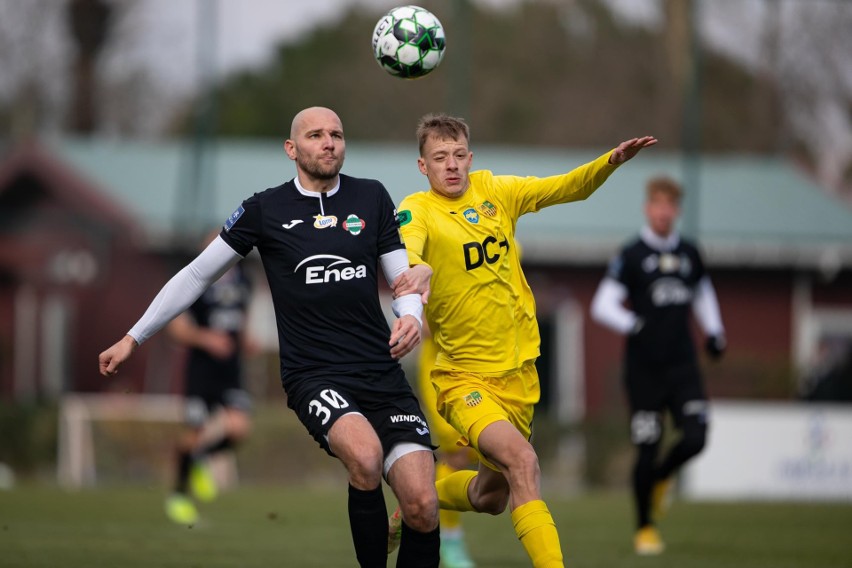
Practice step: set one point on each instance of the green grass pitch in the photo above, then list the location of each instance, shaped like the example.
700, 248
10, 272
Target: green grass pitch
302, 527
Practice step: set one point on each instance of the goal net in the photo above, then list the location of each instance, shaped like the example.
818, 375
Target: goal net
120, 438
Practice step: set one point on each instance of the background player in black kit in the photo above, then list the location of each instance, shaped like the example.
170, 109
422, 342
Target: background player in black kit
213, 330
662, 278
321, 237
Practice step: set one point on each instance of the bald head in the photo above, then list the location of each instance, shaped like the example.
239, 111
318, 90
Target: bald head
310, 116
317, 146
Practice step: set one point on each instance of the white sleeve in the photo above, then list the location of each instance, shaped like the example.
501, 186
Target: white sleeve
184, 288
608, 307
705, 306
395, 263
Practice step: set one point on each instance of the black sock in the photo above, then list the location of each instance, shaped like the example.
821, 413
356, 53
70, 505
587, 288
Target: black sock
690, 445
184, 461
643, 482
419, 550
220, 445
368, 521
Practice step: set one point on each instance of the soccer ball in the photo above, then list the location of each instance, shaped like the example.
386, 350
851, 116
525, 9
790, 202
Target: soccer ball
408, 42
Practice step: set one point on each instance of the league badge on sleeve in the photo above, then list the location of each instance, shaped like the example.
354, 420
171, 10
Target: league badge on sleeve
234, 217
403, 217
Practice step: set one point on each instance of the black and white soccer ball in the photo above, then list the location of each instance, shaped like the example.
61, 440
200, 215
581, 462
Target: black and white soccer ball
408, 42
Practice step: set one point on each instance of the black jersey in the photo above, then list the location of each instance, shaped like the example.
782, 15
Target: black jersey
222, 307
322, 270
661, 286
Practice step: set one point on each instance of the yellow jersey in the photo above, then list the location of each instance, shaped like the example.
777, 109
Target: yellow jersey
481, 309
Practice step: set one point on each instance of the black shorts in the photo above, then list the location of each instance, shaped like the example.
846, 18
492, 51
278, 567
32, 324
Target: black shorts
654, 388
198, 408
386, 400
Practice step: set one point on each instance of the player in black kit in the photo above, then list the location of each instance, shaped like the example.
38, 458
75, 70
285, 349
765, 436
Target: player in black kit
321, 237
213, 330
662, 278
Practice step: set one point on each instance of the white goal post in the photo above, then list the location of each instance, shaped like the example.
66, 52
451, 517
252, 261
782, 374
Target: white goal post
76, 463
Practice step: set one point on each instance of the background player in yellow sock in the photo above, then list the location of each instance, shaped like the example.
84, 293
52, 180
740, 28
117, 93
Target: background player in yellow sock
482, 315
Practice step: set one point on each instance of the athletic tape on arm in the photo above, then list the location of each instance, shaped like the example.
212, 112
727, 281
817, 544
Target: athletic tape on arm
395, 263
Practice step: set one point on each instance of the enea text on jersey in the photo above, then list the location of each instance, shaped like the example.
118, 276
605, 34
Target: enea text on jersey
325, 273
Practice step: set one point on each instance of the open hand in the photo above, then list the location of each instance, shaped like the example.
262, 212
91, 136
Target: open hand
630, 148
415, 280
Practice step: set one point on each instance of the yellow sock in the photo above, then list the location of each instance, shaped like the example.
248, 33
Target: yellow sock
535, 528
452, 491
450, 520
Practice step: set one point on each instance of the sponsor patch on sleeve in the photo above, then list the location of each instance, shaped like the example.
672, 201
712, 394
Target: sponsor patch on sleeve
403, 217
234, 217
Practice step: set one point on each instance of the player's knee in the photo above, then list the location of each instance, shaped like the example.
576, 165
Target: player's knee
522, 463
694, 440
365, 468
421, 512
493, 503
524, 473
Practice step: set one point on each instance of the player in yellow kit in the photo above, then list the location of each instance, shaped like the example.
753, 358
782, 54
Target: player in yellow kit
451, 457
482, 314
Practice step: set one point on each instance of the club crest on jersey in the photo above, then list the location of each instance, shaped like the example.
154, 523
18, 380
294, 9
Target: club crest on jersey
471, 215
354, 225
473, 398
487, 208
669, 263
233, 218
324, 221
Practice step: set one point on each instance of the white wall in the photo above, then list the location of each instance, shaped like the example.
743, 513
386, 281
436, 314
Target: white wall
774, 451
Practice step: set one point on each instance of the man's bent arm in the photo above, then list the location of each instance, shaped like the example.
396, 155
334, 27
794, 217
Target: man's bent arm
705, 306
394, 264
608, 308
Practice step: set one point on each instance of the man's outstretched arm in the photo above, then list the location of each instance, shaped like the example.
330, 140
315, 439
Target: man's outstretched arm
176, 296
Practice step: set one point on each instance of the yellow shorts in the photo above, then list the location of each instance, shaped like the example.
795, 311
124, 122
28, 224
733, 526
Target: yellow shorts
472, 401
443, 435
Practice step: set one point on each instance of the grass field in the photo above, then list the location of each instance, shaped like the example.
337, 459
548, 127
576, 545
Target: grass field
301, 528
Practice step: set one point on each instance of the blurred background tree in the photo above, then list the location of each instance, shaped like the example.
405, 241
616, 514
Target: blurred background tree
755, 75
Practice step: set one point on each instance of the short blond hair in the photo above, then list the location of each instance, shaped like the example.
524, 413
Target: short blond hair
441, 126
666, 186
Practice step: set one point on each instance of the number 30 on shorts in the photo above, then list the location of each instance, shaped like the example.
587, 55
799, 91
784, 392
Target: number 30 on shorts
332, 399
